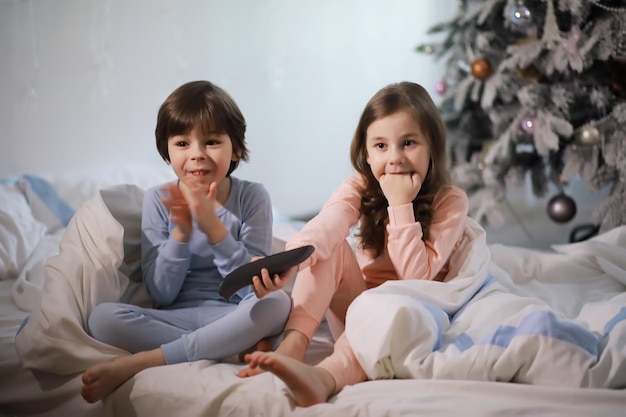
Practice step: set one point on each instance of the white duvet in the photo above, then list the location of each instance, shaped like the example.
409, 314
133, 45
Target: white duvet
582, 285
558, 319
98, 255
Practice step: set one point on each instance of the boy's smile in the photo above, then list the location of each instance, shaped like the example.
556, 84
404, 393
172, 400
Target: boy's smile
201, 158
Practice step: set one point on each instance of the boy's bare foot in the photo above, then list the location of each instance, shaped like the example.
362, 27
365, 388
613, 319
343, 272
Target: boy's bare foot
294, 345
263, 345
101, 379
310, 384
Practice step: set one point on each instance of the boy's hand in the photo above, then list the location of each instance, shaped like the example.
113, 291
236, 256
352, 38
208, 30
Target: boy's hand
180, 213
203, 205
265, 284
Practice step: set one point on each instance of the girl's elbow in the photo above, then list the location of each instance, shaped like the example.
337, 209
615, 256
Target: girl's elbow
417, 274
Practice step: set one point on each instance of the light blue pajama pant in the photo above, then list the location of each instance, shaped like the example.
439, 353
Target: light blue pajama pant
213, 330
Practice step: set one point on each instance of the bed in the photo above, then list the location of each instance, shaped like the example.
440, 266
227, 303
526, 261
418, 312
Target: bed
70, 241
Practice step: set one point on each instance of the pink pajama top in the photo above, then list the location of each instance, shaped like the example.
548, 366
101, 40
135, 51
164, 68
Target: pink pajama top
406, 255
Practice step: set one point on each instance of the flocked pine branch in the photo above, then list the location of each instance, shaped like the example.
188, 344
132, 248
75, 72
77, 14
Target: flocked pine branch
536, 87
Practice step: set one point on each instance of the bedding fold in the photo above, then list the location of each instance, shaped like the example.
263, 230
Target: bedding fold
86, 272
503, 314
540, 318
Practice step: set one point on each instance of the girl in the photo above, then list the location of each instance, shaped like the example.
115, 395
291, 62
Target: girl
194, 232
411, 220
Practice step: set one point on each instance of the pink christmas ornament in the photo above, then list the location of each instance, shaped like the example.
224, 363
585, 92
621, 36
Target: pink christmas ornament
528, 125
441, 87
571, 42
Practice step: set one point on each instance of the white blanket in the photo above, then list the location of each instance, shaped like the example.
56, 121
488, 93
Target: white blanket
97, 254
98, 261
555, 319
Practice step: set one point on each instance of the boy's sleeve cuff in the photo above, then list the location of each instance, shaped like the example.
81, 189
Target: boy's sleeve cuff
226, 247
178, 250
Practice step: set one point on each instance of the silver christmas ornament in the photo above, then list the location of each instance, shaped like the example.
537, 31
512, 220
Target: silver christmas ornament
588, 136
520, 15
561, 208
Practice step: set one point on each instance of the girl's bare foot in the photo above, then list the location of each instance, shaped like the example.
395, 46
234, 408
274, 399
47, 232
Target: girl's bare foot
310, 384
248, 372
101, 379
294, 345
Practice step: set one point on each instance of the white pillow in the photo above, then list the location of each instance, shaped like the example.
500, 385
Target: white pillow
45, 203
20, 232
76, 187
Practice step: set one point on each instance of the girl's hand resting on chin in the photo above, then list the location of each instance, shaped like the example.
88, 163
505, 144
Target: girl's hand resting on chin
400, 189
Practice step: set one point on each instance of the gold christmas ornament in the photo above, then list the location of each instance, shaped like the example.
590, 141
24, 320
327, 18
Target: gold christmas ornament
530, 74
481, 69
482, 160
617, 83
588, 136
525, 41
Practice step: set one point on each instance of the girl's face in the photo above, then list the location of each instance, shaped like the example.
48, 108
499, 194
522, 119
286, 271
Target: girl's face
395, 145
199, 158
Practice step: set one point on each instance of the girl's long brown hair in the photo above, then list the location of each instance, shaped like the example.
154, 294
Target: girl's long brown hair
411, 97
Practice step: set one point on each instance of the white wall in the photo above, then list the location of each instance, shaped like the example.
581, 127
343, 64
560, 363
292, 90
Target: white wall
81, 81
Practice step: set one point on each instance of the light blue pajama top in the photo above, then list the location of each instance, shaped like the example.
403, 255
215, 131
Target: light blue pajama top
184, 274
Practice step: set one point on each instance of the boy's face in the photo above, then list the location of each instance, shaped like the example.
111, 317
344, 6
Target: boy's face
200, 158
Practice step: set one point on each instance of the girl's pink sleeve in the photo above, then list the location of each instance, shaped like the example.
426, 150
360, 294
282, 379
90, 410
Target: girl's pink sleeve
414, 258
333, 223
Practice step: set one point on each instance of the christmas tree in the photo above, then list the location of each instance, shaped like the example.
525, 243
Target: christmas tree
536, 89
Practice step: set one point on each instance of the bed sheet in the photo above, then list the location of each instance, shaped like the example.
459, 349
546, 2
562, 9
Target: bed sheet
41, 394
21, 392
207, 388
203, 388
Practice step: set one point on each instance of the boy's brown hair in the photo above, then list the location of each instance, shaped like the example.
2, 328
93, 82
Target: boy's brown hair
206, 106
